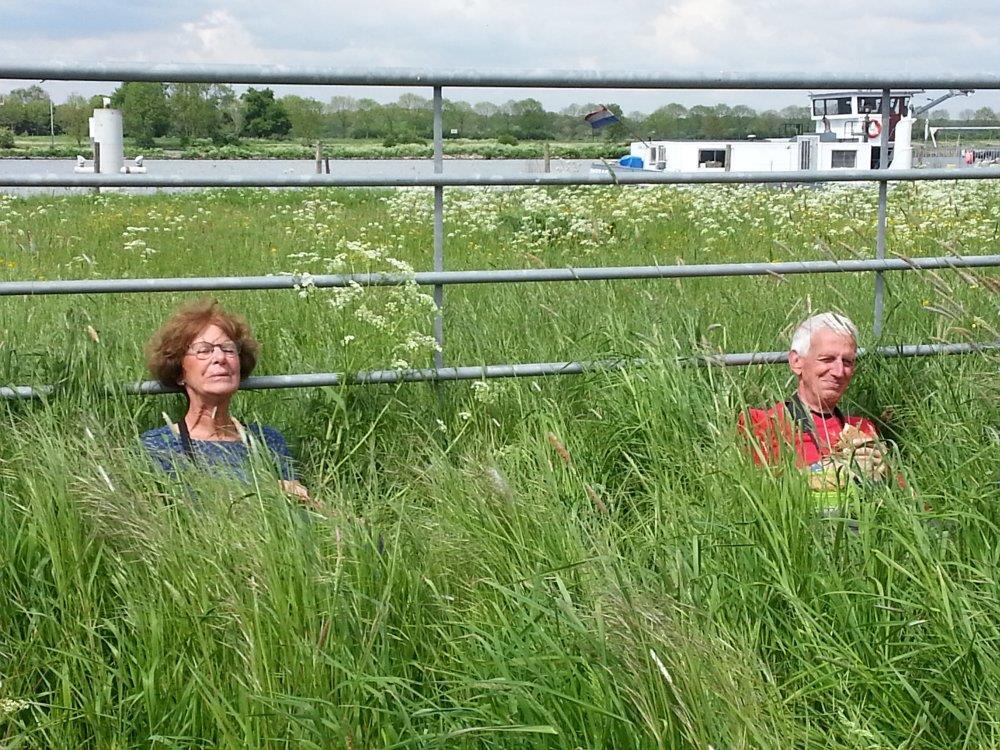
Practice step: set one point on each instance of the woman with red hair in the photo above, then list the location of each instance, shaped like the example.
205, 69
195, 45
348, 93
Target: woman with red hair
207, 352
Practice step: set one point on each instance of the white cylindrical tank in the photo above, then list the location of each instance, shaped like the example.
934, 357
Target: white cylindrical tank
106, 131
902, 151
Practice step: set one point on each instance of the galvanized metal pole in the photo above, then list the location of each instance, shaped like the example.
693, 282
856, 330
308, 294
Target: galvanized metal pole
495, 276
438, 228
520, 370
537, 78
883, 200
487, 179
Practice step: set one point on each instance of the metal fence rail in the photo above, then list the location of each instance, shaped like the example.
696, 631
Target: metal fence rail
502, 276
488, 372
438, 278
466, 78
491, 180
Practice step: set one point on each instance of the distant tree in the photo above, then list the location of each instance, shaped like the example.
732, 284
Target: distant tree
340, 113
741, 121
26, 111
984, 115
794, 112
366, 121
940, 115
665, 122
230, 109
263, 116
769, 123
529, 120
306, 116
414, 101
145, 113
73, 117
707, 121
388, 122
342, 104
578, 110
486, 109
795, 119
458, 116
407, 120
195, 110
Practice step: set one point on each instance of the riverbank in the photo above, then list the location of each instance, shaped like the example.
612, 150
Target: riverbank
63, 148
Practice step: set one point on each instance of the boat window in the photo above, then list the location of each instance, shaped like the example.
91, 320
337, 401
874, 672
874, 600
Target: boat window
711, 157
843, 159
873, 104
869, 104
839, 106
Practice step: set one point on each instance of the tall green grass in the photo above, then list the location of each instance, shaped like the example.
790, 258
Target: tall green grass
569, 562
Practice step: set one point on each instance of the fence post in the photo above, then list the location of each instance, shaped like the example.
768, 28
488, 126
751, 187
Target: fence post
883, 199
438, 228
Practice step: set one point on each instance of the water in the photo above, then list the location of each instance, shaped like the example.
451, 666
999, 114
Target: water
225, 168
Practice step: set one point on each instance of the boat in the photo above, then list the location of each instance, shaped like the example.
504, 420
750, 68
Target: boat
848, 135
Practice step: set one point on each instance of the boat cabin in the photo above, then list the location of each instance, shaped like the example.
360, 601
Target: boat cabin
857, 115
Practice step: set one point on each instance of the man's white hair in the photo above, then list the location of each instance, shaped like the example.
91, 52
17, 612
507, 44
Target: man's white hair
802, 338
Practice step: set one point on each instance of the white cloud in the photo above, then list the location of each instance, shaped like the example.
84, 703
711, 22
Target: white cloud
694, 32
217, 37
689, 36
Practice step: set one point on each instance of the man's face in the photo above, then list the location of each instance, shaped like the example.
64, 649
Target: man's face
826, 371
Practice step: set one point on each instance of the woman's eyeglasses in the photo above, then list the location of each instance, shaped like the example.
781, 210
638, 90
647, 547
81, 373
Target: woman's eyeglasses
204, 350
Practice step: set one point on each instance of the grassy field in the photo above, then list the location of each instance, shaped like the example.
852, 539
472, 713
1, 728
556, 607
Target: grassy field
570, 562
64, 147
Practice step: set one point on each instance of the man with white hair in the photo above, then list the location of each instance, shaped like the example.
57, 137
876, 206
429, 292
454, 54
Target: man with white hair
831, 445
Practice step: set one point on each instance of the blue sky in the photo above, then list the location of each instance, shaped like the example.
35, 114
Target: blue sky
682, 36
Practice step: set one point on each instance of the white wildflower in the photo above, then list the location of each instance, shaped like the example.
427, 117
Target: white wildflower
12, 705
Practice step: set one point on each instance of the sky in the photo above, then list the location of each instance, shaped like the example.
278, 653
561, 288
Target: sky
667, 36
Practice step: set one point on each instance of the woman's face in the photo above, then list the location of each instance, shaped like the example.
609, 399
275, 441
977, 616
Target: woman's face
210, 368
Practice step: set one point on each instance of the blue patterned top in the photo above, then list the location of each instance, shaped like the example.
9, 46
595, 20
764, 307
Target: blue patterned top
223, 457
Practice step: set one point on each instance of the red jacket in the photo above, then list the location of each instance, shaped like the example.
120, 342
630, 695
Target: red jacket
772, 431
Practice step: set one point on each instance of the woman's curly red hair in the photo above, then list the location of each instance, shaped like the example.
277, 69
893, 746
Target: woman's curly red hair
167, 347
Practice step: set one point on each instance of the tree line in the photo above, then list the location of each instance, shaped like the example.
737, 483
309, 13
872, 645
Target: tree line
189, 111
